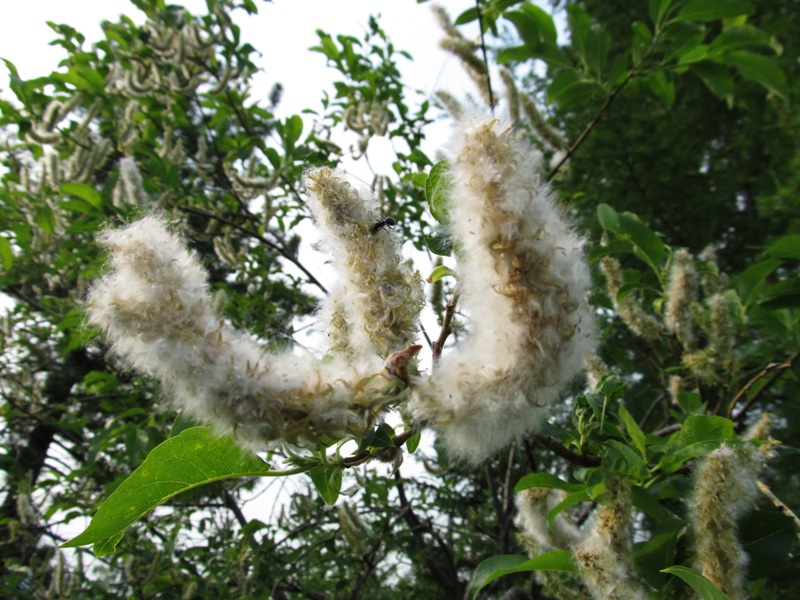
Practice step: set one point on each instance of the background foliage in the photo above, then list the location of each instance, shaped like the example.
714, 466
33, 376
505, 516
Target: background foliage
684, 135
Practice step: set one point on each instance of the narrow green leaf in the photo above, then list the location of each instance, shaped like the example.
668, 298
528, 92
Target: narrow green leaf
497, 566
714, 10
45, 218
546, 480
195, 457
658, 8
439, 272
701, 585
438, 187
6, 254
634, 431
571, 500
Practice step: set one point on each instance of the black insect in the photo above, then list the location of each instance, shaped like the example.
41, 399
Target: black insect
387, 222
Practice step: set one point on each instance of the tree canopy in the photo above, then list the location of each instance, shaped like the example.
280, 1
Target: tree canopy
561, 361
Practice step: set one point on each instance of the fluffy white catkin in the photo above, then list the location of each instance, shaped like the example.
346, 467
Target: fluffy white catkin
155, 307
374, 304
524, 281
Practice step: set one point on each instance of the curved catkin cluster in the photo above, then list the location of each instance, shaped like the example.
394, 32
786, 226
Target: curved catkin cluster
523, 281
155, 307
374, 305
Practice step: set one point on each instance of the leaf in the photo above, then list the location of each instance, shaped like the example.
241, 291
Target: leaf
438, 187
6, 254
328, 481
762, 69
45, 218
439, 241
546, 480
699, 436
440, 272
786, 247
85, 192
658, 8
196, 457
715, 77
571, 500
768, 538
749, 282
714, 10
497, 566
634, 431
412, 443
646, 245
701, 585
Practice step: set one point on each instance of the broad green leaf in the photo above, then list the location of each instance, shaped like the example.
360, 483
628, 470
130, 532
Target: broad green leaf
412, 443
621, 458
642, 40
714, 10
497, 566
699, 435
84, 192
328, 481
438, 188
764, 70
533, 25
787, 247
739, 37
784, 294
646, 245
662, 87
768, 538
439, 272
195, 457
6, 254
569, 90
546, 480
750, 281
701, 585
439, 241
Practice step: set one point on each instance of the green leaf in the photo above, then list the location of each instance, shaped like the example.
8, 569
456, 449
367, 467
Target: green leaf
196, 457
438, 187
701, 585
750, 281
533, 24
570, 90
497, 566
784, 294
645, 244
546, 480
634, 431
642, 40
768, 538
328, 481
440, 272
621, 458
571, 500
439, 241
699, 435
45, 218
787, 247
761, 69
739, 37
715, 77
85, 192
714, 10
658, 8
412, 443
6, 254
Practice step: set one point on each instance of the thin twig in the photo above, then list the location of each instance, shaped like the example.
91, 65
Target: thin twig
590, 126
492, 101
778, 369
261, 239
438, 345
764, 489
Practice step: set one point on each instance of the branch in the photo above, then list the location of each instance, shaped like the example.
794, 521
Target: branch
438, 345
492, 101
600, 114
778, 369
261, 239
584, 460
